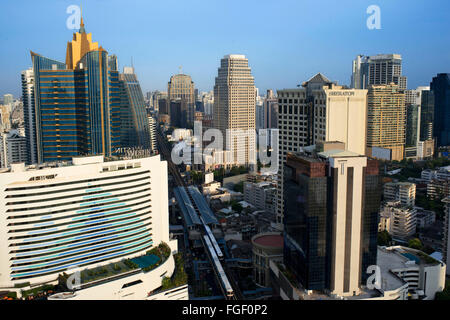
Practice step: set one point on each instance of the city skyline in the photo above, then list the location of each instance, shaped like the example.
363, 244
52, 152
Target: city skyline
284, 49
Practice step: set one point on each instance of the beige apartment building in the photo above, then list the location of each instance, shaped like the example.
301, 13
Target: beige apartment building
181, 88
386, 119
234, 108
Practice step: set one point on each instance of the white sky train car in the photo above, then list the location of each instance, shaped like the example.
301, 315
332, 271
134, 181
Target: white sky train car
213, 240
218, 265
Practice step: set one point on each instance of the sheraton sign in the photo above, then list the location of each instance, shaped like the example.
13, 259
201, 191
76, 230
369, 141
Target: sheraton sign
341, 93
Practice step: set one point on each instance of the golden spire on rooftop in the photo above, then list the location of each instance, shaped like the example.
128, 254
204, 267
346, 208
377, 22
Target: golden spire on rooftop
79, 46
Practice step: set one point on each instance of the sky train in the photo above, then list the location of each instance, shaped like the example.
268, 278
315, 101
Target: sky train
218, 266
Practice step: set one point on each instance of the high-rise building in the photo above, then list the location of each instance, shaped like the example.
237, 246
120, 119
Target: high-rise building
259, 116
152, 131
378, 69
319, 111
77, 103
13, 148
270, 110
234, 108
154, 97
427, 115
5, 117
441, 90
386, 120
8, 99
82, 106
181, 89
412, 136
208, 102
446, 240
134, 123
87, 214
29, 114
332, 200
418, 134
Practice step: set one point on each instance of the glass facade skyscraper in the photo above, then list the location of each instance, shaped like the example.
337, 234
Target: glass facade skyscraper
135, 128
441, 90
331, 203
83, 106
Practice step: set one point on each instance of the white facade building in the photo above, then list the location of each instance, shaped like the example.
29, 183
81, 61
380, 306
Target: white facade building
262, 195
13, 148
152, 128
405, 192
402, 220
84, 214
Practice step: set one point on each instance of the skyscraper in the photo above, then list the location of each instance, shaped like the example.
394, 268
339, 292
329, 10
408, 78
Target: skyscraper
332, 200
181, 89
82, 106
13, 148
234, 107
319, 111
427, 115
29, 114
386, 120
77, 103
8, 99
134, 122
270, 110
441, 90
378, 69
413, 112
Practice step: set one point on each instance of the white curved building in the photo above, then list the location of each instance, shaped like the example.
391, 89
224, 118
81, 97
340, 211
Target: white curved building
83, 214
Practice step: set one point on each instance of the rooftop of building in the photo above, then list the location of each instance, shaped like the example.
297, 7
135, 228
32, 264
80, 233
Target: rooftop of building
76, 161
401, 183
234, 56
271, 240
399, 257
336, 153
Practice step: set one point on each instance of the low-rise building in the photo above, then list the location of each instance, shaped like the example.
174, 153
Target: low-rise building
266, 247
405, 192
403, 221
262, 195
405, 274
438, 189
424, 217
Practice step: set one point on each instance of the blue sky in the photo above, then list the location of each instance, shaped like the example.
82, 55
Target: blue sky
286, 41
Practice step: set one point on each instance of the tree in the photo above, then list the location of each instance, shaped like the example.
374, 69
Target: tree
428, 250
239, 187
415, 244
384, 238
444, 295
237, 207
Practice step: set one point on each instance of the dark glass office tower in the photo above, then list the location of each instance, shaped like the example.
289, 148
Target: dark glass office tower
412, 124
372, 189
134, 127
427, 115
441, 90
331, 208
306, 221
